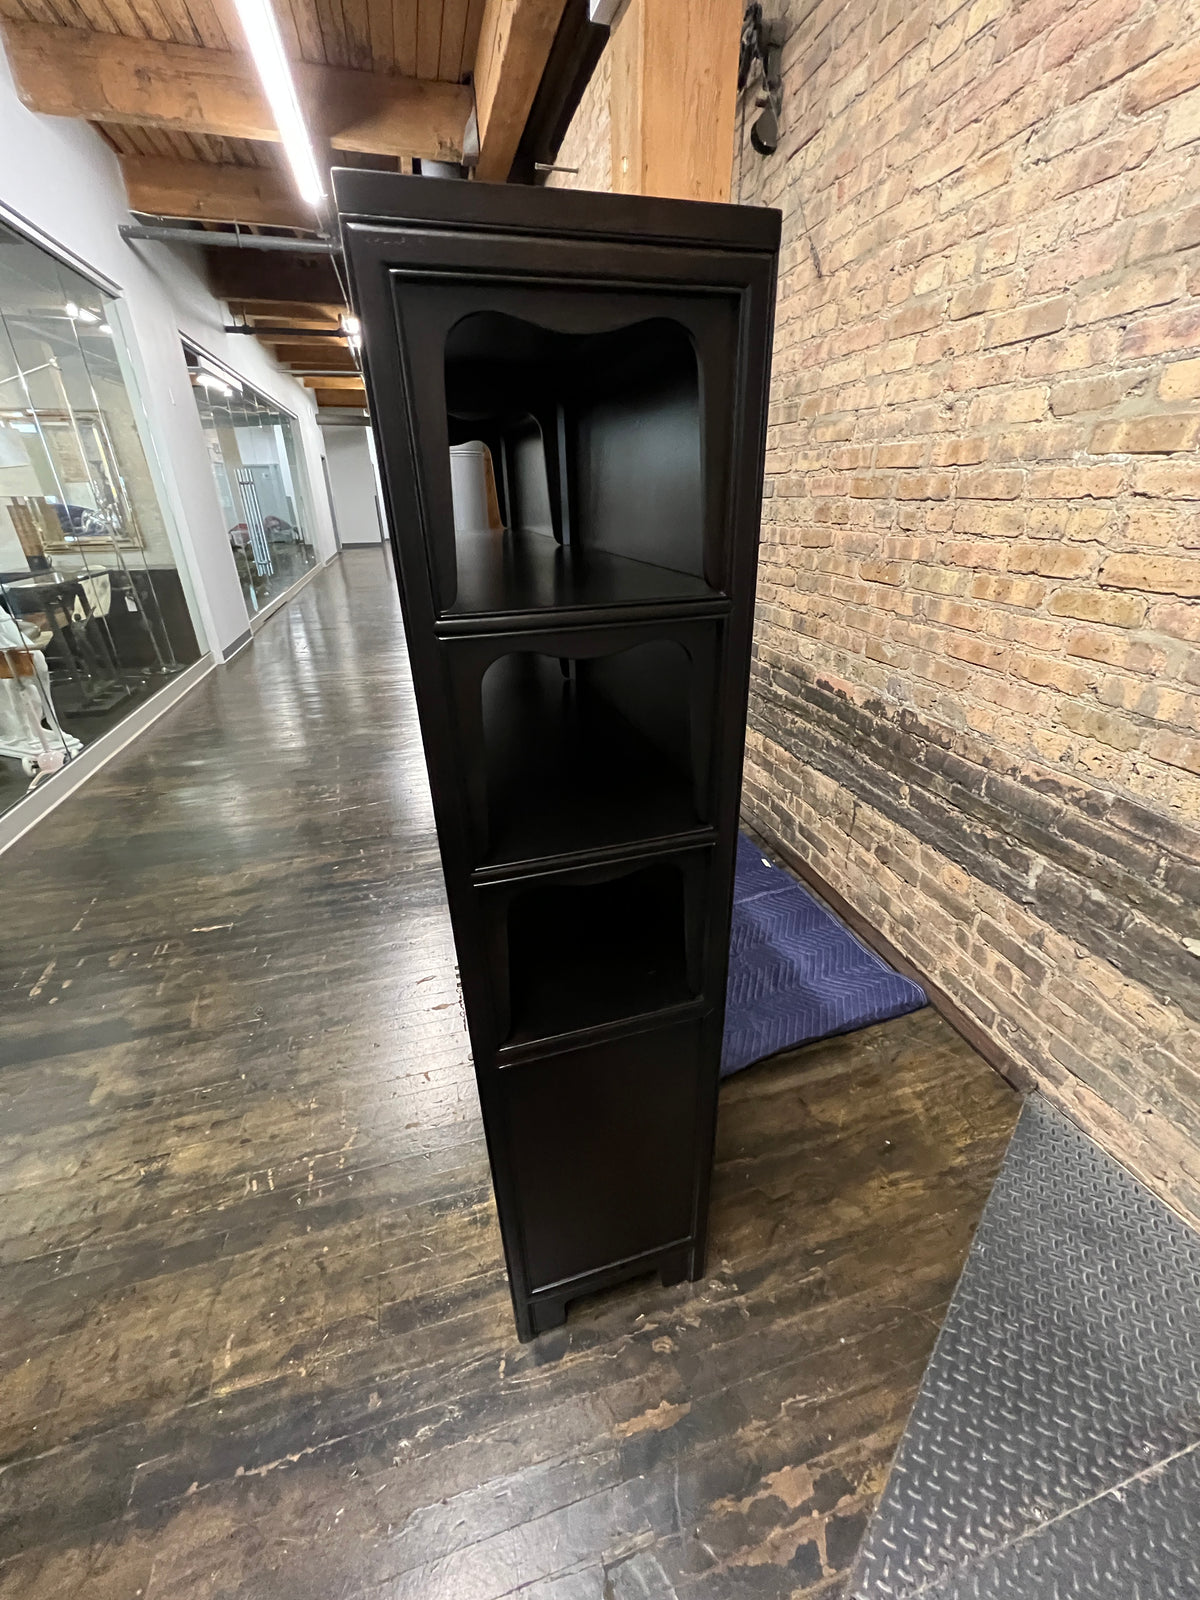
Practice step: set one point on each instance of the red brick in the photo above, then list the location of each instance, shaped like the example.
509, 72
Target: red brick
1050, 560
1157, 434
959, 452
1072, 352
1156, 574
990, 485
1026, 592
908, 453
890, 572
1113, 59
1053, 674
878, 486
1083, 27
1180, 380
1180, 621
1173, 330
991, 294
1165, 236
1097, 163
923, 486
1135, 291
1075, 483
1102, 726
977, 178
1093, 605
1079, 260
1183, 121
1023, 23
1164, 79
1175, 750
954, 614
1173, 480
1091, 394
1115, 650
1030, 322
980, 652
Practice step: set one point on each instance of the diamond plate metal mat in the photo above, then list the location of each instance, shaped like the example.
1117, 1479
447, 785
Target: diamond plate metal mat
1138, 1542
1051, 1449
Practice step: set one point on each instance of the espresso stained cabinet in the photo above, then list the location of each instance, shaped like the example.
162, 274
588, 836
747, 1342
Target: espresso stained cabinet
580, 640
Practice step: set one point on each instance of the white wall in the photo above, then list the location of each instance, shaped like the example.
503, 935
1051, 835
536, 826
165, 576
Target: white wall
352, 480
58, 174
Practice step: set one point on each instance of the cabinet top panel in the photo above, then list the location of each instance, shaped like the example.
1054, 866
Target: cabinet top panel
393, 198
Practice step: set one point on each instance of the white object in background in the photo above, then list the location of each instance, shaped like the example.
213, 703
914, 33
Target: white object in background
472, 488
98, 594
29, 729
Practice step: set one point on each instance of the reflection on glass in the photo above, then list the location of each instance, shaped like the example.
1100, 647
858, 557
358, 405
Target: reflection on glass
93, 616
252, 446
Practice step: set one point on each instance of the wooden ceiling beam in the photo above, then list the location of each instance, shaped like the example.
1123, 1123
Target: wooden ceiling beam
313, 355
265, 276
341, 397
71, 72
515, 37
325, 381
163, 187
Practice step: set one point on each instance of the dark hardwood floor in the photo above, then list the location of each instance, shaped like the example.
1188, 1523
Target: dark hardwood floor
255, 1338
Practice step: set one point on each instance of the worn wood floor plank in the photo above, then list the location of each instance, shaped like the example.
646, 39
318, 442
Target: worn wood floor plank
255, 1337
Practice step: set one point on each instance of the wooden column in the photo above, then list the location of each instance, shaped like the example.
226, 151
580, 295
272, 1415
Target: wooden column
674, 98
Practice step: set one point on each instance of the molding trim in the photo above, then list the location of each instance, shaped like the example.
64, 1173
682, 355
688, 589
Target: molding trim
236, 646
49, 794
966, 1027
60, 252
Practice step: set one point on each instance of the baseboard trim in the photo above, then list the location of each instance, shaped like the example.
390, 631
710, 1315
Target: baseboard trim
965, 1026
236, 646
52, 791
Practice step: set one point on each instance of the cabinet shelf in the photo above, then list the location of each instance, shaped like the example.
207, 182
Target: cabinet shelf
586, 755
582, 955
501, 573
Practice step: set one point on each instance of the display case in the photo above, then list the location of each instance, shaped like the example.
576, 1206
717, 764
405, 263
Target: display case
579, 631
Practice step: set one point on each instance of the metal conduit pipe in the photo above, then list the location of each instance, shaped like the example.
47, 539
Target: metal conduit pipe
165, 234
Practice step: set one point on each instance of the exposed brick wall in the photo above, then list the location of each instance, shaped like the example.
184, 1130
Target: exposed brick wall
588, 145
975, 706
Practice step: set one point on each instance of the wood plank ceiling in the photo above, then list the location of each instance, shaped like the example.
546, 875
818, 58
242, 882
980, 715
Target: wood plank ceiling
168, 85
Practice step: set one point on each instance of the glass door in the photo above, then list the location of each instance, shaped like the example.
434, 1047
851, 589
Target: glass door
256, 463
93, 616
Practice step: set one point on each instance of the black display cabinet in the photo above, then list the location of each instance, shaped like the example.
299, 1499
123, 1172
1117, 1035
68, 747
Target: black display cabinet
580, 672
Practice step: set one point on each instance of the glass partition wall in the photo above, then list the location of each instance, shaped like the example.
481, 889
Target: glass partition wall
93, 616
256, 462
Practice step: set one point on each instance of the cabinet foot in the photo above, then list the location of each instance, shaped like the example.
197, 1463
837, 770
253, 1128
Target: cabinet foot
675, 1267
539, 1316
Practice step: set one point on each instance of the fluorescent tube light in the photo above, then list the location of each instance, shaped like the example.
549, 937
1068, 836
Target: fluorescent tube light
266, 48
